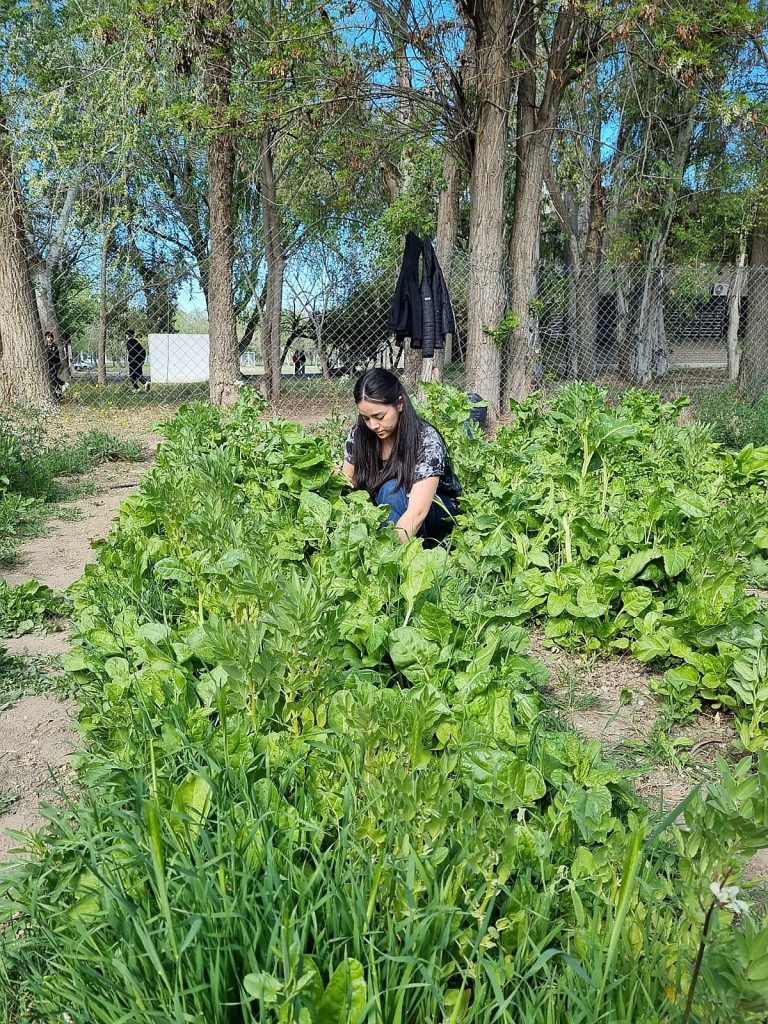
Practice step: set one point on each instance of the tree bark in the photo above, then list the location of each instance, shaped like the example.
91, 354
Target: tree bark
101, 341
445, 243
224, 365
275, 259
753, 372
43, 280
734, 317
535, 122
23, 365
651, 357
492, 23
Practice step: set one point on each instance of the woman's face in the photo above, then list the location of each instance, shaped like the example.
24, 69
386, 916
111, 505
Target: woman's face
380, 418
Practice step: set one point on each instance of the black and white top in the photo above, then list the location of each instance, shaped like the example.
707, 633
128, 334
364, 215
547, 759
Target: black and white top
431, 460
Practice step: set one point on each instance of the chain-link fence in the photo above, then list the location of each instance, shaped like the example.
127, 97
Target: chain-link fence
672, 328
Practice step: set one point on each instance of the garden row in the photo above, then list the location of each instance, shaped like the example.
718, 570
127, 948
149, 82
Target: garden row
320, 783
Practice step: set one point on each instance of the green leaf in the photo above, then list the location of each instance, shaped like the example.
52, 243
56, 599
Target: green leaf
634, 564
691, 504
588, 603
649, 648
591, 809
676, 560
345, 998
414, 655
636, 600
423, 567
556, 604
192, 799
264, 987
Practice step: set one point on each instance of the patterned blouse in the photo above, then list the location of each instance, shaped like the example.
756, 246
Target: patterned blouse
431, 460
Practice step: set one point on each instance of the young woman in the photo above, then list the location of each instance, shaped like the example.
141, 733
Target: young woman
400, 459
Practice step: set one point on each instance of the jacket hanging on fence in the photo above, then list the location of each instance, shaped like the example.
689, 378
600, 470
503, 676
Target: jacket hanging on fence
405, 315
437, 312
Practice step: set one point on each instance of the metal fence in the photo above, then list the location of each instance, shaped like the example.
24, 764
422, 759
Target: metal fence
674, 329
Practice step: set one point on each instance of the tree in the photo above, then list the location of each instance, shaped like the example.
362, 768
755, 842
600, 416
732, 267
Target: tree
753, 371
492, 24
23, 369
572, 43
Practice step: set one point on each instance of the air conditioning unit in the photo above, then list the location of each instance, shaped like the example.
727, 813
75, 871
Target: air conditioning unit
720, 288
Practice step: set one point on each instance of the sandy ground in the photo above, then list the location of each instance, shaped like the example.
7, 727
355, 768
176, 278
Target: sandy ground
37, 734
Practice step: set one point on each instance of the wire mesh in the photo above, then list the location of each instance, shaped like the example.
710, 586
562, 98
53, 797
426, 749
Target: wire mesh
674, 329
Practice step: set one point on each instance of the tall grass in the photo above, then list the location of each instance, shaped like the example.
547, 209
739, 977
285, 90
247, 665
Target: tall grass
127, 921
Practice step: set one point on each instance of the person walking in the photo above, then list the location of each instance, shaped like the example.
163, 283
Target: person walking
136, 356
53, 357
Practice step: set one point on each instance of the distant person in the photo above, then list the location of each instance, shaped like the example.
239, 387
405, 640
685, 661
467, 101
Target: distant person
53, 357
136, 356
301, 365
295, 361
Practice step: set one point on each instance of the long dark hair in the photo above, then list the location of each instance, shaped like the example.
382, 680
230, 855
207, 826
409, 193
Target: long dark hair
384, 388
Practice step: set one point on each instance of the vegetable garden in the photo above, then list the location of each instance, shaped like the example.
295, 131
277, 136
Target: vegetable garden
320, 783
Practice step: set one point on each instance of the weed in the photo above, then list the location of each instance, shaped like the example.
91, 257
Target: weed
7, 800
569, 695
25, 677
733, 421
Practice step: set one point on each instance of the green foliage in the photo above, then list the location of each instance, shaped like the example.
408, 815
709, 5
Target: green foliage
626, 532
733, 422
28, 608
318, 786
501, 332
21, 677
31, 465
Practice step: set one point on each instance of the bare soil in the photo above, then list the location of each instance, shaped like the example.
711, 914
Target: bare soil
37, 738
37, 735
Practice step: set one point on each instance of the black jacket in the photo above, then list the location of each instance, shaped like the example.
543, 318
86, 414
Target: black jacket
136, 351
405, 315
438, 319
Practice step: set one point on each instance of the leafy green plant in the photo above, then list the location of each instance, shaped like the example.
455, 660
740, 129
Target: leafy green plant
28, 607
733, 422
318, 784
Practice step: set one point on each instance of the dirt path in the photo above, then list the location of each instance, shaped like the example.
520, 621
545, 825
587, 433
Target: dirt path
37, 735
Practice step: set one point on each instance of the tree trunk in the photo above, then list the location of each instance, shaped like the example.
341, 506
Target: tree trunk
275, 259
652, 358
734, 317
587, 285
412, 371
23, 365
445, 242
624, 335
224, 365
486, 291
753, 372
101, 343
43, 280
535, 122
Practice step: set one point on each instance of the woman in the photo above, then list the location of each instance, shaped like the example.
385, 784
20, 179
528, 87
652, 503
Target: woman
400, 459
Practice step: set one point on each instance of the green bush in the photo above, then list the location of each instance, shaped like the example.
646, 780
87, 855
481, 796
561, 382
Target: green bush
734, 422
32, 465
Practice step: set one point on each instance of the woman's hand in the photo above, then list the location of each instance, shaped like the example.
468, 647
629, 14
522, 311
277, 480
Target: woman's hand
419, 503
